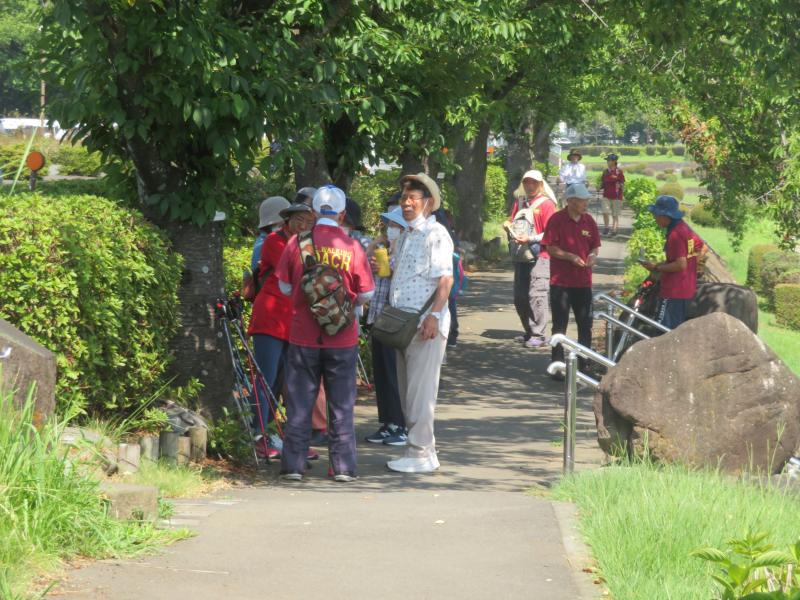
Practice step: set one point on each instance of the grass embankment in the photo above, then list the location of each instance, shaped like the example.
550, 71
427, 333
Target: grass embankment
177, 482
642, 522
784, 342
49, 510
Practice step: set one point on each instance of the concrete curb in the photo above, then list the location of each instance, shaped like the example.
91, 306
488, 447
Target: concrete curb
577, 552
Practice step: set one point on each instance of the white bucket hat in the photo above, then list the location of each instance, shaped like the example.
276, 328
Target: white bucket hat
269, 212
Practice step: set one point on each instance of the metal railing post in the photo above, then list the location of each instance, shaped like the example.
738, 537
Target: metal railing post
570, 395
609, 332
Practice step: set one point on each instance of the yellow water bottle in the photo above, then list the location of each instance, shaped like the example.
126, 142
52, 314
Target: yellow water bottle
382, 259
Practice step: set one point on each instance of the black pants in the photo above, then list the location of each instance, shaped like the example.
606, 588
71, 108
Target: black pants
522, 296
562, 299
452, 305
387, 393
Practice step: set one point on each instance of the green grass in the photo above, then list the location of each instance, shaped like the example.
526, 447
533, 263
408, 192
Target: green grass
49, 510
642, 522
631, 160
493, 229
175, 482
784, 342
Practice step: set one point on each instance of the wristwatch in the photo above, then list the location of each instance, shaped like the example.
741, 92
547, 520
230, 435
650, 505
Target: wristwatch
436, 315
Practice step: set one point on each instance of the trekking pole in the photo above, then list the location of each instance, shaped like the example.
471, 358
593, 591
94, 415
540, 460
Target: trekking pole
240, 382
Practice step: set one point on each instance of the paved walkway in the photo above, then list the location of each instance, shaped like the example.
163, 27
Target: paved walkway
467, 531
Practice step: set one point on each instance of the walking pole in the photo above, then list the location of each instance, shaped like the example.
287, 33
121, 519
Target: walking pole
570, 395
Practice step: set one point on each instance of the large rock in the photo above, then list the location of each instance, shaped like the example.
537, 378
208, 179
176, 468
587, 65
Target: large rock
736, 300
707, 393
25, 362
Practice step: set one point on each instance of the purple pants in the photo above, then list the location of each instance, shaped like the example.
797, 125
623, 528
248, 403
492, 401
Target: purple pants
304, 368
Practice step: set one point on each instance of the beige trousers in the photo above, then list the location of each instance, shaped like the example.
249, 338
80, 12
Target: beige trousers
418, 368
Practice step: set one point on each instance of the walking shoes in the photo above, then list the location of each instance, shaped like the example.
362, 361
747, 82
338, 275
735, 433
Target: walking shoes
378, 436
410, 464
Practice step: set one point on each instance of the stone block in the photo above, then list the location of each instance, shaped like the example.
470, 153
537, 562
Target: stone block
129, 457
149, 447
184, 450
25, 362
128, 502
168, 444
198, 437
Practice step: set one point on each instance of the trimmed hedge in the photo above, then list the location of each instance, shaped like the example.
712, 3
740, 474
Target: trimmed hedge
672, 188
774, 266
754, 260
71, 159
96, 284
678, 150
787, 305
701, 214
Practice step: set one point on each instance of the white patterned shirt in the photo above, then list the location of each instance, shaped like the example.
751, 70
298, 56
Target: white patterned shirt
573, 173
423, 255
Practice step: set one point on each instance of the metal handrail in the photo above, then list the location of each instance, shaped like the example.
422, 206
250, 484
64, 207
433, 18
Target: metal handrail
632, 312
561, 367
622, 325
580, 349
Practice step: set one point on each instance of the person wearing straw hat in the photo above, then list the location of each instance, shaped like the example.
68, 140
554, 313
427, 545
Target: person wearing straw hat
525, 226
611, 203
423, 271
573, 171
392, 428
573, 241
679, 271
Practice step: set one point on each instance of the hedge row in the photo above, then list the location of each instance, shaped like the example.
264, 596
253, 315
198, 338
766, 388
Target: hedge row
676, 150
96, 284
768, 267
787, 305
71, 159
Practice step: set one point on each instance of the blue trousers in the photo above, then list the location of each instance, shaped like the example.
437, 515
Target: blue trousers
270, 353
304, 368
672, 311
387, 394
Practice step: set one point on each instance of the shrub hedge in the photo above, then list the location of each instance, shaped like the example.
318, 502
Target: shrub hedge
701, 214
774, 266
71, 159
494, 207
754, 260
787, 305
672, 188
96, 284
678, 150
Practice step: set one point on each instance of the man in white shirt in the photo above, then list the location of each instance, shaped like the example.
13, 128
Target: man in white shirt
423, 269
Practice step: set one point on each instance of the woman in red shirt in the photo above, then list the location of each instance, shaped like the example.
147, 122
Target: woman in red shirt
272, 310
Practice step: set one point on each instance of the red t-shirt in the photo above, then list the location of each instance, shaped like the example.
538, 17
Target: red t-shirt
541, 215
681, 241
578, 237
272, 311
347, 255
613, 182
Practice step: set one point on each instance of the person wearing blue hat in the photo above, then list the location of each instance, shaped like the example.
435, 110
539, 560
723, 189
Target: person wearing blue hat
679, 270
392, 428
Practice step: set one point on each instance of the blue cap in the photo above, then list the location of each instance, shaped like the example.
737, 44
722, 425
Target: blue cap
395, 216
666, 206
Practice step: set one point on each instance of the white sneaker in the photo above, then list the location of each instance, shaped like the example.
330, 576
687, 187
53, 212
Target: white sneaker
408, 464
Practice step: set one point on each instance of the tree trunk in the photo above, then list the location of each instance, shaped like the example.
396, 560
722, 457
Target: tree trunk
410, 163
314, 172
470, 182
519, 159
541, 141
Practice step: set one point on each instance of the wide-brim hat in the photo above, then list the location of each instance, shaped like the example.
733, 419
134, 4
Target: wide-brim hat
574, 152
395, 216
428, 183
667, 206
270, 209
577, 190
297, 207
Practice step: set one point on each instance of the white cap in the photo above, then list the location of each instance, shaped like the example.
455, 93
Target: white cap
329, 200
534, 174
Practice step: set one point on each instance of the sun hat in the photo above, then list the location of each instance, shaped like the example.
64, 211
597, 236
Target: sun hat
666, 206
534, 174
395, 216
428, 183
269, 212
613, 157
329, 200
577, 190
574, 152
294, 208
305, 195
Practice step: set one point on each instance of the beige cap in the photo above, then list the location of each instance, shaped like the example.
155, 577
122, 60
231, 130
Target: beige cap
428, 183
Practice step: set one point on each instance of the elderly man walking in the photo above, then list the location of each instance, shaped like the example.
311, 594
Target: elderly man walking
423, 270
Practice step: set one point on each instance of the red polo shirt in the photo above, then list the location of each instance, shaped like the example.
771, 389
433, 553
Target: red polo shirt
344, 253
681, 241
272, 311
613, 182
578, 237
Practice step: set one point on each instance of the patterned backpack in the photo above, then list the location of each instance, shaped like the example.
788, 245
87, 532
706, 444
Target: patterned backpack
324, 289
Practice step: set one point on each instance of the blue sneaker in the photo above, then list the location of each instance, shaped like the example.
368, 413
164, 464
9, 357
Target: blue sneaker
397, 437
378, 436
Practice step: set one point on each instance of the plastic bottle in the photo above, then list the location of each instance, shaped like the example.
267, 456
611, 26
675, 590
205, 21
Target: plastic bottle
382, 259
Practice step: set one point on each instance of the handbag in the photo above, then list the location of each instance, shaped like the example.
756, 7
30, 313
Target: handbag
396, 328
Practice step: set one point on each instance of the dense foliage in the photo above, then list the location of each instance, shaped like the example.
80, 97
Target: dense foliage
97, 285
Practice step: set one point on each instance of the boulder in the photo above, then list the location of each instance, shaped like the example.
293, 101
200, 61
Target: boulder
736, 300
128, 502
707, 393
25, 362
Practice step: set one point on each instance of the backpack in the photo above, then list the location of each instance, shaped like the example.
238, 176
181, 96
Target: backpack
324, 289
